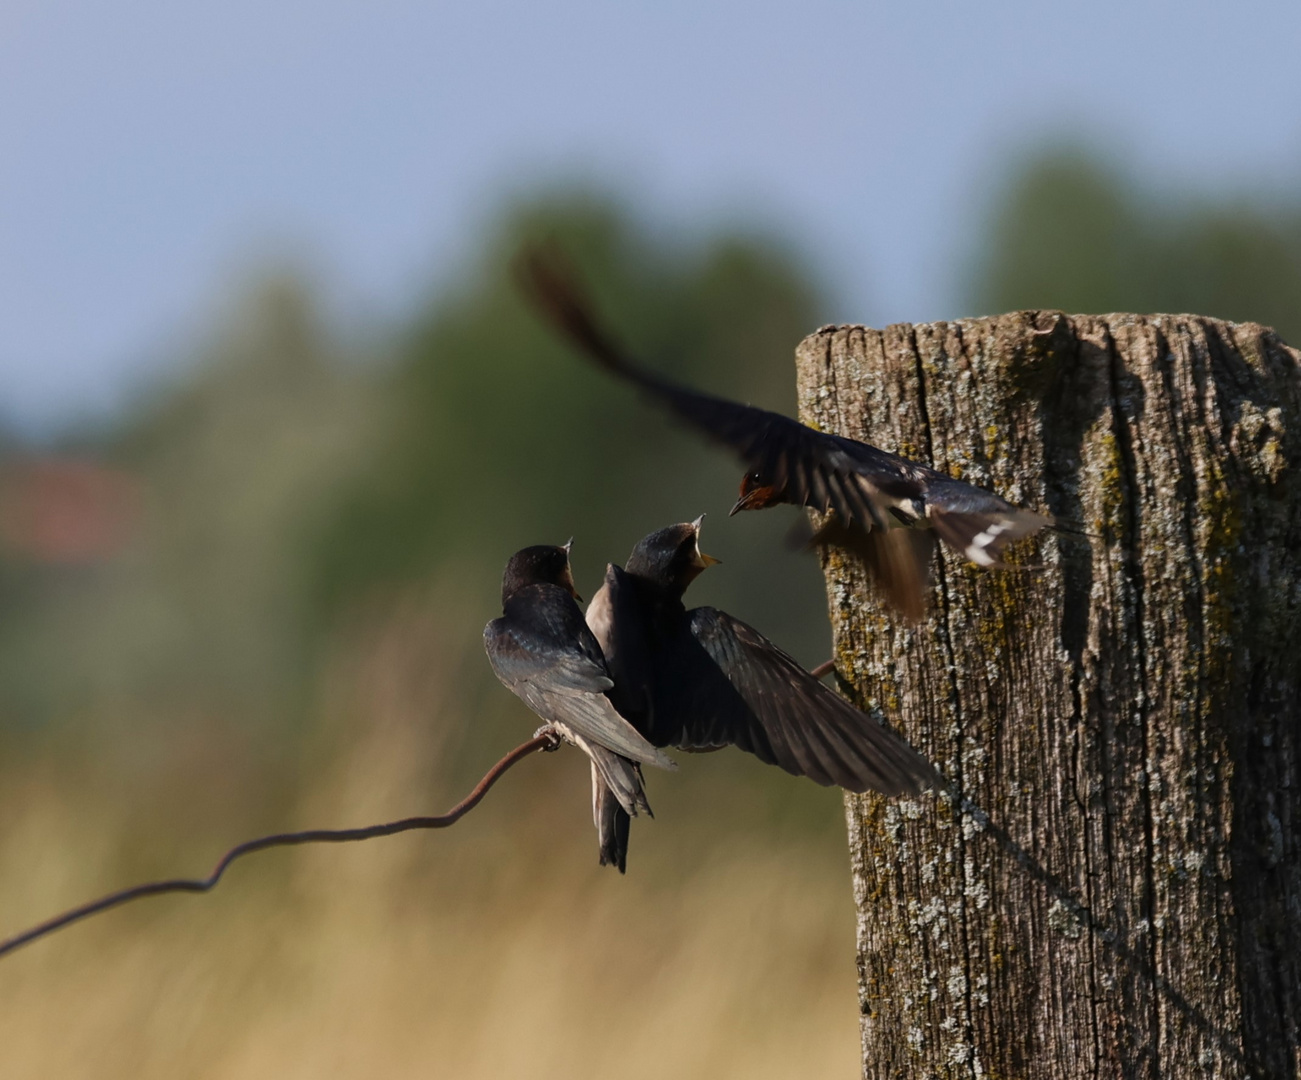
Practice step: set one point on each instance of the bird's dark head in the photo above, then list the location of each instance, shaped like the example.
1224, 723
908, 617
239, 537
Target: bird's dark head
671, 557
542, 564
757, 491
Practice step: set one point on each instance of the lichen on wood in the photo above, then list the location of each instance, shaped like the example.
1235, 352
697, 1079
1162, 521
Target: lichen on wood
1113, 886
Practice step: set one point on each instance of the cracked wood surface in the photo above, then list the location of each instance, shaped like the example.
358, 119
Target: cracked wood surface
1121, 894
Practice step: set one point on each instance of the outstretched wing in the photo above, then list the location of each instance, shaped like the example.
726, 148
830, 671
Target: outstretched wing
976, 523
860, 482
897, 560
726, 684
813, 469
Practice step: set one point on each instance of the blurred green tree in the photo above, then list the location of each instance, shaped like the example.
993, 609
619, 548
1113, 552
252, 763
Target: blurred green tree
495, 435
288, 486
499, 436
199, 611
1072, 234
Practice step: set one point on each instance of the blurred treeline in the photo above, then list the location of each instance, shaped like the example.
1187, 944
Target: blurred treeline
1072, 232
255, 601
291, 483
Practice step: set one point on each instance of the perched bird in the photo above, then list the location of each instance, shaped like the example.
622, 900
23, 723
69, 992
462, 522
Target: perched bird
700, 679
883, 507
543, 652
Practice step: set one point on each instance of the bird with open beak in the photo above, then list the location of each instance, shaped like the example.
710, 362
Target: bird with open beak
883, 508
543, 652
700, 679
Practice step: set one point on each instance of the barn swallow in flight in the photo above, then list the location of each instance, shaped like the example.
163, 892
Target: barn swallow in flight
544, 653
700, 679
883, 507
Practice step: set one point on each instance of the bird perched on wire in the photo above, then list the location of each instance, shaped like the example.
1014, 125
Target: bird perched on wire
880, 506
700, 679
543, 652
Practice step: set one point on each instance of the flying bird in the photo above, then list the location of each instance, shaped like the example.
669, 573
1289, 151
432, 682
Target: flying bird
882, 507
543, 652
700, 679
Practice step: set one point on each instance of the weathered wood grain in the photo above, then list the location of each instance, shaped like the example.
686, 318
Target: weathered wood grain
1125, 710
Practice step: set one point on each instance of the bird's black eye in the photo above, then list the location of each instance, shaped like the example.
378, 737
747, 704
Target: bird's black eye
756, 477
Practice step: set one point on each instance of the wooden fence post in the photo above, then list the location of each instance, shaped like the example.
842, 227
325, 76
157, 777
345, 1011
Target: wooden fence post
1121, 895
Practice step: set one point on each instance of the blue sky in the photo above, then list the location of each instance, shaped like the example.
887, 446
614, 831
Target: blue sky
152, 153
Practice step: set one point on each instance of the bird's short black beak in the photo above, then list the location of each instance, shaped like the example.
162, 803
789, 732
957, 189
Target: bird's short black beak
568, 579
743, 503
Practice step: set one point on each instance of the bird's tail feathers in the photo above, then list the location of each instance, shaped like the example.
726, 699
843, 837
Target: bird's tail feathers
613, 824
622, 777
982, 534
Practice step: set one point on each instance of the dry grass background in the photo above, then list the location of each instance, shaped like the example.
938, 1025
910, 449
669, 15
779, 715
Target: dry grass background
497, 948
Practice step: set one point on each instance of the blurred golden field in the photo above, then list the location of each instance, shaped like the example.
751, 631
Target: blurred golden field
495, 948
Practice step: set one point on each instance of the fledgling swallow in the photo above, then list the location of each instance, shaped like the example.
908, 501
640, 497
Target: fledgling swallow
543, 652
700, 679
885, 508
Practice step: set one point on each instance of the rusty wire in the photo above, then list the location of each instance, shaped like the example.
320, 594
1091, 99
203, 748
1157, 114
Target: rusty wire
543, 740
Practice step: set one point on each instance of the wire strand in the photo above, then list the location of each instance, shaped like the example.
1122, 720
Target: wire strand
543, 740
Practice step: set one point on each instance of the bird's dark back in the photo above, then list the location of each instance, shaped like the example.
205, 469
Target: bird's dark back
546, 611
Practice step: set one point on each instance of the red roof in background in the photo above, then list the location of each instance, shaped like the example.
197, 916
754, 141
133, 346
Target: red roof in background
66, 510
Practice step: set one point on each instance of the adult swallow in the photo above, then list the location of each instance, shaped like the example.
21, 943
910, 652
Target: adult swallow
543, 652
700, 679
885, 508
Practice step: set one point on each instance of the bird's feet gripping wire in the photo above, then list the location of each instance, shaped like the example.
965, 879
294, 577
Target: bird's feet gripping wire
550, 732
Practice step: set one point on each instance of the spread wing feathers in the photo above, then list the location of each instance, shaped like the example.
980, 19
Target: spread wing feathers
564, 685
739, 688
814, 469
976, 523
613, 823
810, 468
898, 561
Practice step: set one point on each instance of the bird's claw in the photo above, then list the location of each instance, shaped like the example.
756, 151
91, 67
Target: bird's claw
551, 733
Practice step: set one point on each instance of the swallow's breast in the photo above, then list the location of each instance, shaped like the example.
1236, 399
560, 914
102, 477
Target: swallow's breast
600, 620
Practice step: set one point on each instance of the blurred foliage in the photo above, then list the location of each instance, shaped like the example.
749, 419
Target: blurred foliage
202, 612
289, 486
499, 435
495, 435
291, 637
1073, 234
